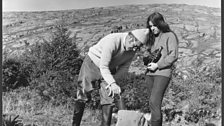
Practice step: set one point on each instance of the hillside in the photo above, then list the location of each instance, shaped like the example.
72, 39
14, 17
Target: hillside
193, 96
197, 27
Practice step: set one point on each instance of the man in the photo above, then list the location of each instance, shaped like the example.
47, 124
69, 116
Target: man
105, 62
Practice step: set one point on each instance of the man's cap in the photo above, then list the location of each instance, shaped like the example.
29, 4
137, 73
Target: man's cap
141, 34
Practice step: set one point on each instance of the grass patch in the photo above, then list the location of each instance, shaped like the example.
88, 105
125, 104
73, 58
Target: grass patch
25, 103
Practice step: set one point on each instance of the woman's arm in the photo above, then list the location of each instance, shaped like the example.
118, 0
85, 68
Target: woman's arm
172, 52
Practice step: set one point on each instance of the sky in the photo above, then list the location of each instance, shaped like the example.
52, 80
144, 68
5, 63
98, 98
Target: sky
48, 5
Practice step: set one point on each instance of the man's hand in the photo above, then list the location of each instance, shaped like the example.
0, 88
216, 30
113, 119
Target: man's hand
152, 66
114, 89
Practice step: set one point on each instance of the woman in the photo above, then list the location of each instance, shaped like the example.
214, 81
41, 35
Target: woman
159, 74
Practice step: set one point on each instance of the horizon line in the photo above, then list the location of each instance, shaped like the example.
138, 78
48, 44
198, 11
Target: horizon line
107, 7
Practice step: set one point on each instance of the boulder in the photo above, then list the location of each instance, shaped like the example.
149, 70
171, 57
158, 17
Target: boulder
188, 60
194, 44
192, 36
183, 45
185, 51
190, 27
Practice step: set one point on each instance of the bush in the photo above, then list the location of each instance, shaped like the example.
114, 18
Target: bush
134, 93
50, 67
194, 100
54, 66
13, 74
58, 54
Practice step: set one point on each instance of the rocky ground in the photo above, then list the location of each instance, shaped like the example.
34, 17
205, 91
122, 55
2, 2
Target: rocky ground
198, 29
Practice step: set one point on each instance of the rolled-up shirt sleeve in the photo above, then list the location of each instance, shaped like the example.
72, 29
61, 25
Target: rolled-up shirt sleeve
172, 54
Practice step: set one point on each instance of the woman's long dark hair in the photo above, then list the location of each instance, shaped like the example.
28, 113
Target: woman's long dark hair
157, 19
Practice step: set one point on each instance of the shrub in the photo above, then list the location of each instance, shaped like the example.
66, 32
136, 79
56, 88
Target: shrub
134, 93
13, 74
58, 54
54, 66
50, 67
194, 100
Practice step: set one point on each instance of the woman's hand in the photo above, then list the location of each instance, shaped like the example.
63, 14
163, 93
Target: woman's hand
152, 66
